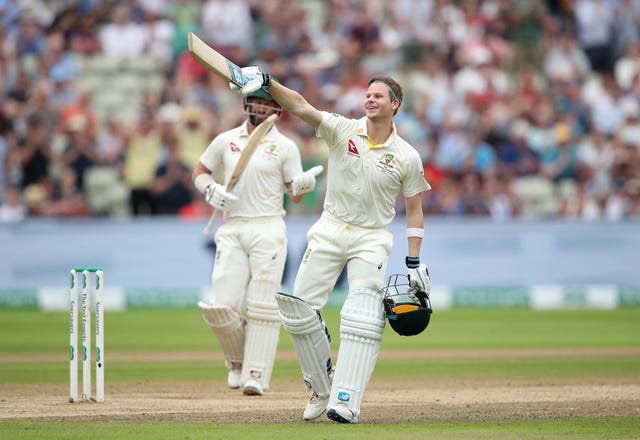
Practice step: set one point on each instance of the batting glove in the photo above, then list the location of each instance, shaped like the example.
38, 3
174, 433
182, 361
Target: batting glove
254, 81
419, 281
217, 196
305, 182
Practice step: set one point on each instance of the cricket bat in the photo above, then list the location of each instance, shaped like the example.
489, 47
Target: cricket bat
254, 140
214, 61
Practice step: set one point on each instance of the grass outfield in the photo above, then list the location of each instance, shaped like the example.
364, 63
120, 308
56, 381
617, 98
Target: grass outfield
34, 344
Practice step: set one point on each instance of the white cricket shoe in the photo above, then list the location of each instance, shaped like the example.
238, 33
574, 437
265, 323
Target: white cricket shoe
233, 378
252, 388
315, 408
342, 414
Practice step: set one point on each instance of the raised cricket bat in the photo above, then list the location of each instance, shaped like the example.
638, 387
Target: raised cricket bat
254, 140
214, 61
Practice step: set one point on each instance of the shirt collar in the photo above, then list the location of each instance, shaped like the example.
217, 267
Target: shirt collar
362, 131
271, 134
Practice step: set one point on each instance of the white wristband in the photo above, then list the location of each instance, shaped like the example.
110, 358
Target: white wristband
202, 181
415, 232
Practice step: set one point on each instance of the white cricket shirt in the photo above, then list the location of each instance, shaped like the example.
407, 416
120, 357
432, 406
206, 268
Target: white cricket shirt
261, 186
364, 180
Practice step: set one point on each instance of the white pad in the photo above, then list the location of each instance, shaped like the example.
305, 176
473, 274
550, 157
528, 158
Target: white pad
310, 341
262, 334
228, 326
361, 326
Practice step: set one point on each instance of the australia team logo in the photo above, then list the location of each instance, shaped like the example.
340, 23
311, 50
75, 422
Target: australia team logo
386, 163
271, 150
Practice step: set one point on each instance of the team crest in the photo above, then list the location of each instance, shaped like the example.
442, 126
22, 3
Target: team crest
387, 163
271, 150
234, 148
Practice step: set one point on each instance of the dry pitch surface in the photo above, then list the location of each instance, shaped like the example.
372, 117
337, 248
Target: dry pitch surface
386, 400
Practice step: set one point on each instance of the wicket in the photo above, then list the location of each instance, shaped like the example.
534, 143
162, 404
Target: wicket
85, 301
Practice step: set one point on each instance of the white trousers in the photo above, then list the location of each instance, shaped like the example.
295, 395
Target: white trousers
249, 253
332, 244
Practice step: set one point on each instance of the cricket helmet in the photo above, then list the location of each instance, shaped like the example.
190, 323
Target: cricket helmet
262, 94
406, 317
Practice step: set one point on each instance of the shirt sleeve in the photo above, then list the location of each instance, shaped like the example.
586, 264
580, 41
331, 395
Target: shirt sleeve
292, 164
212, 156
335, 129
414, 181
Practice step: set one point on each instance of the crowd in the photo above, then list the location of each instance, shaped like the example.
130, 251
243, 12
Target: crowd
519, 108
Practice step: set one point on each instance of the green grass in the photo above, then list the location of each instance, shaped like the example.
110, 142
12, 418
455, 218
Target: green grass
608, 428
36, 334
31, 331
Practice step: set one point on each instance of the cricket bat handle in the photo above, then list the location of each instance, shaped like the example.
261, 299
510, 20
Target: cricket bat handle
211, 223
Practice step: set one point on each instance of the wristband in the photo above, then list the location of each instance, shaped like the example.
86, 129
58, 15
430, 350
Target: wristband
266, 80
202, 181
415, 232
412, 262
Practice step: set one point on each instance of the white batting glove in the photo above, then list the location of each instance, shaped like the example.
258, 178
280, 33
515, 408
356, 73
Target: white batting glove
306, 182
255, 80
247, 72
217, 196
419, 281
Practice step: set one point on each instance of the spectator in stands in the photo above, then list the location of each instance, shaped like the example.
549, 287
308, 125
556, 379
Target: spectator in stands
62, 198
122, 38
569, 67
595, 32
141, 158
35, 153
12, 208
171, 188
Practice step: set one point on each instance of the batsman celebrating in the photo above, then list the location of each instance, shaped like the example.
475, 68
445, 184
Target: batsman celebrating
368, 166
251, 245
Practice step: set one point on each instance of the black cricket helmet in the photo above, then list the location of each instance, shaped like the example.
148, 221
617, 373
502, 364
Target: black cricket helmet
406, 317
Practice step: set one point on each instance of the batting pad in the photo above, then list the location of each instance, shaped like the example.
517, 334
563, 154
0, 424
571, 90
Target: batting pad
228, 326
261, 342
309, 340
361, 326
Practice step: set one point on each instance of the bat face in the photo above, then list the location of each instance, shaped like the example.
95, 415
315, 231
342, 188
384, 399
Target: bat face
213, 61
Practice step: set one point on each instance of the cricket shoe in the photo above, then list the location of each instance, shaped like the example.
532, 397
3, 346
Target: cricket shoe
252, 388
342, 414
315, 408
233, 378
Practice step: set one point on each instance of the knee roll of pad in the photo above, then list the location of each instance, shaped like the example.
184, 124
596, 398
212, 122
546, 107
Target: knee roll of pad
228, 325
262, 311
362, 315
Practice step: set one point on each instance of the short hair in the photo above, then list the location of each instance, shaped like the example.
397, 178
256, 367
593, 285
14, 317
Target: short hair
395, 89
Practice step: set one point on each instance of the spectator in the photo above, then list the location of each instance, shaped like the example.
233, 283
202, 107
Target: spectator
35, 153
594, 29
141, 159
171, 187
12, 209
565, 60
63, 198
627, 67
227, 24
122, 38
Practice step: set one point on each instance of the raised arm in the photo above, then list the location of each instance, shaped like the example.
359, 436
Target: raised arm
289, 99
295, 103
